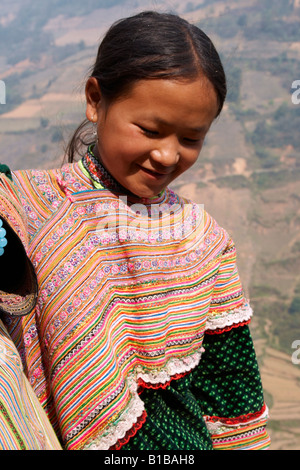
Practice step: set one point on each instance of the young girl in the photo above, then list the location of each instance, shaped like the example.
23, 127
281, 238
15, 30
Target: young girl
139, 338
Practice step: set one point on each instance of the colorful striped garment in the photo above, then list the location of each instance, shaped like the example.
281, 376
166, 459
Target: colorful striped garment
23, 422
128, 290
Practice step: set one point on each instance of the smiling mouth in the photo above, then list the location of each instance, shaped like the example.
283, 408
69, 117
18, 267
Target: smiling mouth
155, 174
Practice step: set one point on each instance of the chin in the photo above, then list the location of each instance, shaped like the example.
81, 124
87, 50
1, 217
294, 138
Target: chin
144, 195
141, 192
148, 194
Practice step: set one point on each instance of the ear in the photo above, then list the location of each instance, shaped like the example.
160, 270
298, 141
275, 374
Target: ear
93, 99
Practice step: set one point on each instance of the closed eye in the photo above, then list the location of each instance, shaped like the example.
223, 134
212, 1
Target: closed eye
185, 140
148, 132
192, 141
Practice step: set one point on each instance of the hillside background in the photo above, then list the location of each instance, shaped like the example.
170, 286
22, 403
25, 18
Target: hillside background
248, 175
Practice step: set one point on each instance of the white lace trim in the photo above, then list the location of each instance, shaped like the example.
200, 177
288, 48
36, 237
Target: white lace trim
174, 366
217, 427
229, 318
135, 408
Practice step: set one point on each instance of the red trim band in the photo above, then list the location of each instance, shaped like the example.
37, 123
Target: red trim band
219, 331
238, 419
130, 433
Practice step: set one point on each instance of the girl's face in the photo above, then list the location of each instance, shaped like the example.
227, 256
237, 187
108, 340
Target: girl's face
152, 135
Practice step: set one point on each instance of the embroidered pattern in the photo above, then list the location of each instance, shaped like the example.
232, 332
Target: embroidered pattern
23, 423
119, 313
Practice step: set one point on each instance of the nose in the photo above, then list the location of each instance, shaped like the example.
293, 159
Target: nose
166, 153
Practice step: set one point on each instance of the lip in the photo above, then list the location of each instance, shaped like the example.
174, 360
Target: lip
154, 173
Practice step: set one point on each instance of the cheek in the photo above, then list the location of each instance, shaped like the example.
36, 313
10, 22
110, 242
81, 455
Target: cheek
190, 159
120, 141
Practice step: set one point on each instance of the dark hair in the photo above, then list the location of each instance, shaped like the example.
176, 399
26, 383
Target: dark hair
151, 45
